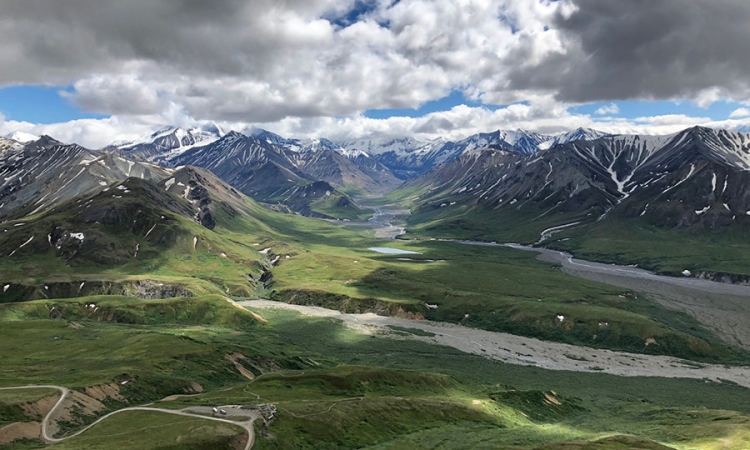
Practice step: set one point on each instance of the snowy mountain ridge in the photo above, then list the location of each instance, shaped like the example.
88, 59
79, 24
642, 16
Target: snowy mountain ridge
22, 137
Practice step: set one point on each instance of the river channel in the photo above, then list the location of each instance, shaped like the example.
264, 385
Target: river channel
721, 307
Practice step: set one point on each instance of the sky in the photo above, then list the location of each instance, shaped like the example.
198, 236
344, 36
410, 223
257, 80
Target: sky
94, 72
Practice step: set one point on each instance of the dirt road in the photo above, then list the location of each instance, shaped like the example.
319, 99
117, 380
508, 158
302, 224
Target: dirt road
64, 392
231, 410
525, 351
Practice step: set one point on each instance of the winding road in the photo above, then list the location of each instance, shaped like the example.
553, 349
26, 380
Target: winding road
65, 392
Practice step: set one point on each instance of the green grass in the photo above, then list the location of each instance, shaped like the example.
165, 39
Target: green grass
166, 345
11, 403
11, 397
594, 391
412, 390
350, 407
611, 443
500, 289
341, 389
311, 337
467, 221
670, 252
138, 430
212, 310
199, 270
648, 407
612, 240
340, 207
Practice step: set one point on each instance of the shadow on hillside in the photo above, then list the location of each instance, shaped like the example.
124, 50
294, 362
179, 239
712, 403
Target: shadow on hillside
312, 337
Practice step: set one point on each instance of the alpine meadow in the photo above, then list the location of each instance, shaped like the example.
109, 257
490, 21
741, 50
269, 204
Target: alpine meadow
375, 224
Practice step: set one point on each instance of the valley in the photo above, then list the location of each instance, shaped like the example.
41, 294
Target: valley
721, 307
522, 351
375, 225
152, 282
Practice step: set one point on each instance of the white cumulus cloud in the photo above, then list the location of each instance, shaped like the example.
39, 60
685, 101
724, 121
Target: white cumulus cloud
739, 112
607, 110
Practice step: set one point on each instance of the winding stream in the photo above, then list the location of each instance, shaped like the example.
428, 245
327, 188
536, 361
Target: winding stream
384, 221
721, 307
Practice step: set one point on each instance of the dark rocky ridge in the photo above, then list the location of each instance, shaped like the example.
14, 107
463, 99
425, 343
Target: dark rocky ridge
691, 180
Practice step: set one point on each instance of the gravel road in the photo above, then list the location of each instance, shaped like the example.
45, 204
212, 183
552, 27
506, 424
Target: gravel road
64, 392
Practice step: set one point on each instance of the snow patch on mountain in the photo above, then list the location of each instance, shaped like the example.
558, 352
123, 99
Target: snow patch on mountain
20, 136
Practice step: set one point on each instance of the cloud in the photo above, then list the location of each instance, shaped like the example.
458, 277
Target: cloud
266, 60
457, 123
739, 112
610, 109
91, 133
123, 94
643, 49
677, 120
327, 61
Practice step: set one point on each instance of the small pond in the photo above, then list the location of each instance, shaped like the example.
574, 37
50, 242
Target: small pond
392, 251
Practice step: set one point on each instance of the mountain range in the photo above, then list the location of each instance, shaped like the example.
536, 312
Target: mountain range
694, 179
45, 173
404, 157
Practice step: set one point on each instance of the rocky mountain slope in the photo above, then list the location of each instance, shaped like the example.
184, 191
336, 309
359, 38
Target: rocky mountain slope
405, 158
107, 227
694, 179
165, 143
9, 145
46, 173
409, 158
271, 173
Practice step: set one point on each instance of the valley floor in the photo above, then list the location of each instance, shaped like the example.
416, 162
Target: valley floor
520, 350
341, 381
722, 307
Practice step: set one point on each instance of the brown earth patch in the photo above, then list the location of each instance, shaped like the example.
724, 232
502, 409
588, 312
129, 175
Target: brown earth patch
40, 408
552, 399
235, 358
15, 431
403, 314
74, 406
238, 442
258, 317
105, 391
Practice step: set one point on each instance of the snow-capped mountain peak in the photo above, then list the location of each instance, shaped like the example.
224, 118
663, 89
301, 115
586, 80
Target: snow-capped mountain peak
22, 137
168, 142
579, 134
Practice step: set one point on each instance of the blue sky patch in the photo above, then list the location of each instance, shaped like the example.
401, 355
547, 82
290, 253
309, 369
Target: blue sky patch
361, 8
444, 104
39, 104
633, 109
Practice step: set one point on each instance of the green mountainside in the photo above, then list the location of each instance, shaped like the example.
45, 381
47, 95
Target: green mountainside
129, 292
